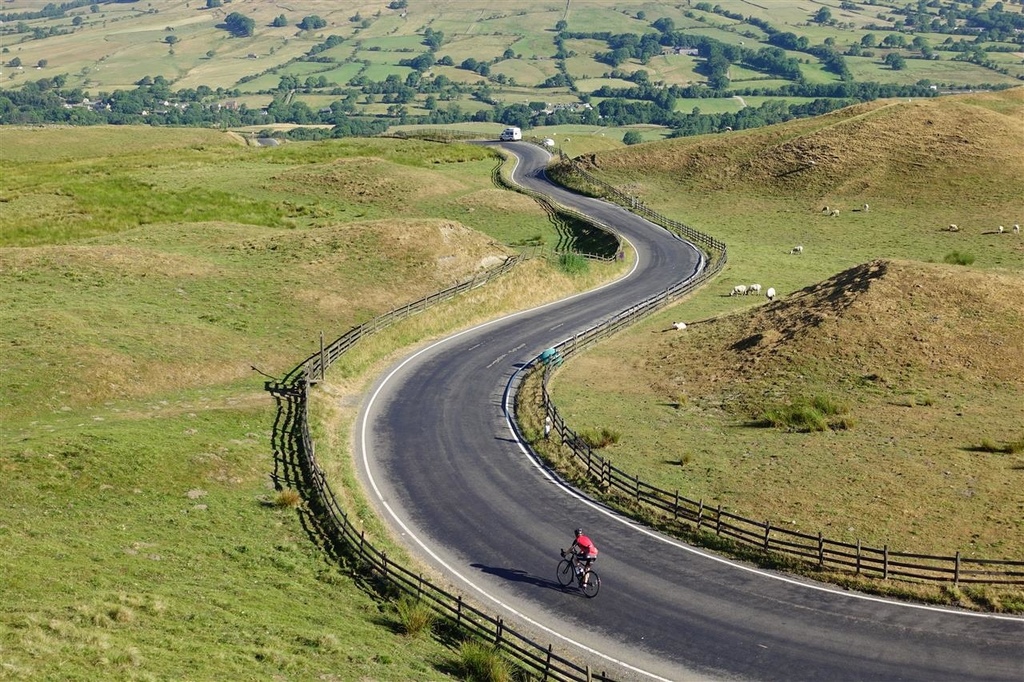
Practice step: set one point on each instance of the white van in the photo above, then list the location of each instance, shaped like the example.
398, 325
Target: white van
511, 134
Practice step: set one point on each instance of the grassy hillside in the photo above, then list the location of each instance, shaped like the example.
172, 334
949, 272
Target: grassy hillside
145, 274
922, 356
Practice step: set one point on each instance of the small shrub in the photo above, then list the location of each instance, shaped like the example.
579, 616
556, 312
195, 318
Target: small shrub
415, 615
809, 415
957, 258
287, 498
482, 663
573, 264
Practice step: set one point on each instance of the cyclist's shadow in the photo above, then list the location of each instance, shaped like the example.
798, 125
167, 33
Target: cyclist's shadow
520, 576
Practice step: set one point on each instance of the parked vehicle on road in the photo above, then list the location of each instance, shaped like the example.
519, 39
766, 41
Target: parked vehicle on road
511, 134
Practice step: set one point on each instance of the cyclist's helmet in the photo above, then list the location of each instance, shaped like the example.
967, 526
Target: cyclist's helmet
579, 532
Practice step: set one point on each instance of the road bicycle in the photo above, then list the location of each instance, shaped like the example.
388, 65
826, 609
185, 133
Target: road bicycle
570, 568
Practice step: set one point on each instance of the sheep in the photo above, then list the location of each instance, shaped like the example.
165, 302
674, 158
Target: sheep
826, 210
834, 213
799, 248
866, 207
679, 326
739, 290
770, 293
1016, 229
754, 289
953, 227
1001, 229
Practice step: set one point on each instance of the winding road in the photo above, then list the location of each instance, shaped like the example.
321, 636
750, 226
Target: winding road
436, 450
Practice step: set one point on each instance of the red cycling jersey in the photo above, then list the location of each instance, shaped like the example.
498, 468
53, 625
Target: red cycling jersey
586, 546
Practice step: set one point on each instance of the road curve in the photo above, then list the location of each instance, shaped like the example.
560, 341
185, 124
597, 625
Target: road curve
435, 449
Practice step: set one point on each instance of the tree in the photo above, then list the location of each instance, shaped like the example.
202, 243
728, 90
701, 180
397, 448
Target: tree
823, 15
171, 39
895, 61
869, 40
239, 25
311, 23
213, 4
42, 63
561, 25
632, 137
280, 21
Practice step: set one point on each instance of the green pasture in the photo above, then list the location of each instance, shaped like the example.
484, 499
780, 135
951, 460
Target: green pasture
480, 48
526, 72
941, 71
674, 69
394, 43
584, 67
711, 105
593, 17
534, 46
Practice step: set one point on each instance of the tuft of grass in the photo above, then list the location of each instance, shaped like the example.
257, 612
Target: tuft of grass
415, 616
289, 498
482, 663
809, 415
958, 258
600, 439
1010, 448
573, 264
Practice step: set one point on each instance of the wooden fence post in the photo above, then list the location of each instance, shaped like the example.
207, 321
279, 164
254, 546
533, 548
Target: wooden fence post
858, 556
458, 611
821, 550
956, 569
718, 520
323, 364
675, 507
637, 488
700, 514
497, 633
547, 663
767, 532
885, 562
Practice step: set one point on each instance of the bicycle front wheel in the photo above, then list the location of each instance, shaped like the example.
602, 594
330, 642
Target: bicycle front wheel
593, 585
565, 573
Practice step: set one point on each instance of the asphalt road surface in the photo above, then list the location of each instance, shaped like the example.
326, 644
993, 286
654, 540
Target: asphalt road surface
436, 450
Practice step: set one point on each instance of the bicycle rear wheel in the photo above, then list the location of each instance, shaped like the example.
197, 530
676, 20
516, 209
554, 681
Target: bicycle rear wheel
565, 573
593, 585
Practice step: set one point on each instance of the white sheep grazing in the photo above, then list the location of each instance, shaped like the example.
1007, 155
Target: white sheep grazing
1001, 229
866, 207
835, 212
954, 227
754, 289
739, 290
825, 210
680, 326
799, 248
770, 293
1016, 229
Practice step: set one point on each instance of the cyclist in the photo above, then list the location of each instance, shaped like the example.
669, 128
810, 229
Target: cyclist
586, 553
